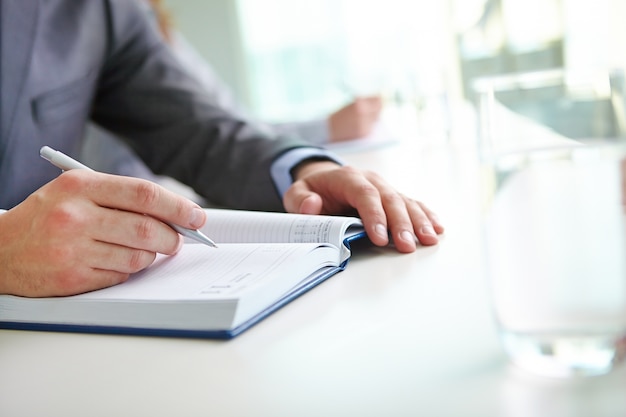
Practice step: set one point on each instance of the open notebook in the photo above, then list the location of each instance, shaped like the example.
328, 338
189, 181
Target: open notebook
264, 260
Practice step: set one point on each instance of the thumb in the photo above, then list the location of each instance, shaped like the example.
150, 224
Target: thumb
302, 201
312, 204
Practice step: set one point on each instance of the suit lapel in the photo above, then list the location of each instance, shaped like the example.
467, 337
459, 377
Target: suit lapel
19, 26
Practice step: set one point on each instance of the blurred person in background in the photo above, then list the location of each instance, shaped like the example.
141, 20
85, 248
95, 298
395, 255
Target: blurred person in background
104, 152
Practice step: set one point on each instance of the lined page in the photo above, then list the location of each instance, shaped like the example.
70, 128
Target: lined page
234, 226
199, 272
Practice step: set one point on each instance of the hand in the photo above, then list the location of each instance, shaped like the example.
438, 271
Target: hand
87, 230
355, 120
323, 187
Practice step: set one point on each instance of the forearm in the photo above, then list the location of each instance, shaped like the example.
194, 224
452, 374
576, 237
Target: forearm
178, 131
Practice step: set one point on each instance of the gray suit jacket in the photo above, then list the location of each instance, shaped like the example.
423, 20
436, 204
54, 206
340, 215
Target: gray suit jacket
66, 61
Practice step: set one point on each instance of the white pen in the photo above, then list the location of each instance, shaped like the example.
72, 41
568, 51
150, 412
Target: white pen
60, 160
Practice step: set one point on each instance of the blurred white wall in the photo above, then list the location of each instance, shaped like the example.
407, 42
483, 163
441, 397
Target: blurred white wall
213, 27
293, 59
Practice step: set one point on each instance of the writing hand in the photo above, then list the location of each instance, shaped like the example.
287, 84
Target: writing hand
323, 187
87, 230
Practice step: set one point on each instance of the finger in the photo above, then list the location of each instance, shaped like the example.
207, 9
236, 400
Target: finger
365, 197
299, 199
102, 265
409, 220
80, 281
399, 221
137, 195
119, 259
312, 204
423, 226
433, 218
134, 230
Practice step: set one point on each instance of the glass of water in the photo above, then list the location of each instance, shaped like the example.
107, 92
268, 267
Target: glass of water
555, 229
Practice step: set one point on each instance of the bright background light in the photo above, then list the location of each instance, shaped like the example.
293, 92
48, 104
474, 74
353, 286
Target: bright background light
295, 59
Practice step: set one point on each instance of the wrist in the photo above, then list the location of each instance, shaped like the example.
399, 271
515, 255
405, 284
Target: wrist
283, 169
309, 166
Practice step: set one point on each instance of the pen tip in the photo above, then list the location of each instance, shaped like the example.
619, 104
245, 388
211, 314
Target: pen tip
201, 237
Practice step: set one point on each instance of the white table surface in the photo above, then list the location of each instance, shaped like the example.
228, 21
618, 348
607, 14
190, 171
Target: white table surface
393, 335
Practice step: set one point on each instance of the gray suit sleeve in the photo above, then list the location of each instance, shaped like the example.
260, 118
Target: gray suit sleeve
148, 98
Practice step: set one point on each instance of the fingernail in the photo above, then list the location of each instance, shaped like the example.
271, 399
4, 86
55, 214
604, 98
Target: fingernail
428, 230
197, 218
408, 236
381, 230
181, 241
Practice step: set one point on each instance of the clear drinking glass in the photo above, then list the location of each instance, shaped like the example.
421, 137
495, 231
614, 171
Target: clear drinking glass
554, 164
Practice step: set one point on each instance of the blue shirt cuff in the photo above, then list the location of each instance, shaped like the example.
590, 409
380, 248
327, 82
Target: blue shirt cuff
282, 166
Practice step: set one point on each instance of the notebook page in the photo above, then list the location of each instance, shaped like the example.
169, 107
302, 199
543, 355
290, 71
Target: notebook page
199, 272
233, 226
